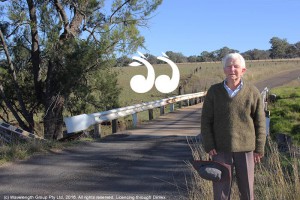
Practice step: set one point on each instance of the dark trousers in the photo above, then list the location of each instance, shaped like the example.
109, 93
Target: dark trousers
243, 162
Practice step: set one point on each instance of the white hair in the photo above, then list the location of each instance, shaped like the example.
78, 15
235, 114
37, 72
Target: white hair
234, 56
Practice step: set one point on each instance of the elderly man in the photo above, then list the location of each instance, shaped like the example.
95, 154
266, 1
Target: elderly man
233, 127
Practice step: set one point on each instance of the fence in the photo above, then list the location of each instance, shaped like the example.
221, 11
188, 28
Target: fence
84, 121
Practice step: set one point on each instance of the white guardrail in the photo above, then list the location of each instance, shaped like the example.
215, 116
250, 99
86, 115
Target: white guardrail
84, 121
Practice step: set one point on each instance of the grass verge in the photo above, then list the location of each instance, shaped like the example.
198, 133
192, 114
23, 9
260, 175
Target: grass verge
285, 111
24, 150
276, 178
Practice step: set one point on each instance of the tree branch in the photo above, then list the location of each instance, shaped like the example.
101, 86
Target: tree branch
110, 18
63, 16
16, 86
35, 51
14, 112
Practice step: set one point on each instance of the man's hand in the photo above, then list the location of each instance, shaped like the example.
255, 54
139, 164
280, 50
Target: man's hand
212, 152
257, 157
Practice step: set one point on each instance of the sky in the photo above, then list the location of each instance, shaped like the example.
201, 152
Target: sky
193, 26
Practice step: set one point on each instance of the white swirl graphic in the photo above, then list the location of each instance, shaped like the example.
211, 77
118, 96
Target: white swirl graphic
163, 83
139, 83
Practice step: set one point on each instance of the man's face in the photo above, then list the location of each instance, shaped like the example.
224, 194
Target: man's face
233, 69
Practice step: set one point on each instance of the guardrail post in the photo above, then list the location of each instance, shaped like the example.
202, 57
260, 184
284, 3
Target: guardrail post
180, 92
172, 107
97, 130
150, 112
180, 104
114, 125
162, 110
134, 119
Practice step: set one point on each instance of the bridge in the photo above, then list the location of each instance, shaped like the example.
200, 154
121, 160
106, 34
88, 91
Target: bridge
145, 163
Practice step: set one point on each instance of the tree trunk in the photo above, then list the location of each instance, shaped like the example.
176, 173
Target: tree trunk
53, 120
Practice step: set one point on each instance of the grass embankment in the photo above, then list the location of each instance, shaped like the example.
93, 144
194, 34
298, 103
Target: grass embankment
285, 117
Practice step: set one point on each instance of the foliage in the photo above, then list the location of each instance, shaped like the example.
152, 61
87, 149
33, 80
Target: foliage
278, 47
256, 54
59, 53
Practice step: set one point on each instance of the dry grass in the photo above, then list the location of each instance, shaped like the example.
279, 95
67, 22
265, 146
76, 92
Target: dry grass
207, 74
276, 178
24, 150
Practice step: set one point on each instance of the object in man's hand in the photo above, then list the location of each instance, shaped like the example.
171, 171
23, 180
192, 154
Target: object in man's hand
212, 170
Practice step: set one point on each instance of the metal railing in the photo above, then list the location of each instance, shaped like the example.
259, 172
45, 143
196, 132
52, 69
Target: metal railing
10, 133
84, 121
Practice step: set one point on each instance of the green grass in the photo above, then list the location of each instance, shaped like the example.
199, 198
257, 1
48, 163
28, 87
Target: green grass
285, 117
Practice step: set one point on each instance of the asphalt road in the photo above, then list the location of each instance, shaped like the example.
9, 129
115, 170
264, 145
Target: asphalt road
145, 163
125, 165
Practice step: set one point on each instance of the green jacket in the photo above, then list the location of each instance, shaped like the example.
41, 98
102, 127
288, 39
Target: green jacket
233, 124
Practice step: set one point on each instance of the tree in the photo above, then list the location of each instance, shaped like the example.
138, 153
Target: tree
221, 53
278, 47
151, 58
193, 58
256, 54
176, 57
206, 56
55, 48
123, 61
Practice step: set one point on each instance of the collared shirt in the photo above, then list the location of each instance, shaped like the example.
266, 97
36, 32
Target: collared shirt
230, 92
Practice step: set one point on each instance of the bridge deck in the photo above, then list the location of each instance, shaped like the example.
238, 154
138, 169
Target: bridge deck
185, 122
142, 163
